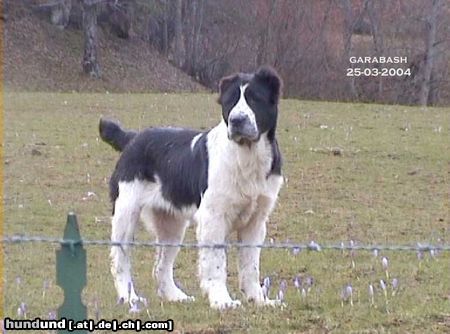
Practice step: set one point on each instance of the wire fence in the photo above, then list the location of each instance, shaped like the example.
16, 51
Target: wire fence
310, 246
71, 264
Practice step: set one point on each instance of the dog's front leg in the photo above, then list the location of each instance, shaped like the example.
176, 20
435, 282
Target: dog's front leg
212, 261
248, 266
254, 233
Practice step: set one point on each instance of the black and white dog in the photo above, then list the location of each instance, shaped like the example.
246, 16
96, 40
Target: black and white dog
226, 179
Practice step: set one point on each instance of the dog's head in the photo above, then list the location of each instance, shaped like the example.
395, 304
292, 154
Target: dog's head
250, 104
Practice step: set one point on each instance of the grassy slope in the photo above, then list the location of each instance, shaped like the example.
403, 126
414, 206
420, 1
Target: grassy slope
40, 57
389, 185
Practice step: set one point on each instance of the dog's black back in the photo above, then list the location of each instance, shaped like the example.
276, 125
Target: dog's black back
160, 153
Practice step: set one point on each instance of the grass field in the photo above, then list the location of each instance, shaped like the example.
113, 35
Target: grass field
368, 173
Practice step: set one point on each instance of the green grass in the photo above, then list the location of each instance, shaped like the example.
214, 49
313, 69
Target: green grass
389, 185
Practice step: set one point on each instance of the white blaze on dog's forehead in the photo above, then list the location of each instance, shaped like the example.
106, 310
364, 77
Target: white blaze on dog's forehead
195, 140
242, 108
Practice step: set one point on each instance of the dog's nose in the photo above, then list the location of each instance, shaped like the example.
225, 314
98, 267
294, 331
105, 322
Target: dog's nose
238, 120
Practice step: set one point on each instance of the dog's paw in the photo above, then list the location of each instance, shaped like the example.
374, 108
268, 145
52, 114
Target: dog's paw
272, 303
254, 294
225, 305
132, 300
138, 300
188, 299
182, 298
175, 295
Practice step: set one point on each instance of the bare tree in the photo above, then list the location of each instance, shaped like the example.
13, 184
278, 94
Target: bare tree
265, 34
178, 33
90, 57
377, 35
165, 29
199, 21
347, 36
194, 24
431, 23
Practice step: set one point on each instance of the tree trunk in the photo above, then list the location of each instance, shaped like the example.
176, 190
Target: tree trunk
164, 30
191, 7
265, 38
430, 51
193, 38
90, 59
178, 49
377, 37
348, 32
196, 46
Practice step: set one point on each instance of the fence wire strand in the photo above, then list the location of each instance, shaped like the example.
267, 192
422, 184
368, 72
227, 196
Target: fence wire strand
311, 246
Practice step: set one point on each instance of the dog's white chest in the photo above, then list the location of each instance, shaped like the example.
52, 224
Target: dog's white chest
260, 201
239, 184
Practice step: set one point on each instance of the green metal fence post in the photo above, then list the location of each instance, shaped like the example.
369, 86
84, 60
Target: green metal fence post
71, 274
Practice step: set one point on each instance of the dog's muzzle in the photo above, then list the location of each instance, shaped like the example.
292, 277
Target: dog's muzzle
240, 128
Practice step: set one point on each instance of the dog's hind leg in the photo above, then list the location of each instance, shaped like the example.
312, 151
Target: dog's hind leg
169, 230
126, 216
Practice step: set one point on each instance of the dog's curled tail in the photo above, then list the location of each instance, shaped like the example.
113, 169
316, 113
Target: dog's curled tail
114, 135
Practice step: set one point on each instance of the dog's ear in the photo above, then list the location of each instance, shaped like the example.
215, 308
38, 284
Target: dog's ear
267, 76
224, 84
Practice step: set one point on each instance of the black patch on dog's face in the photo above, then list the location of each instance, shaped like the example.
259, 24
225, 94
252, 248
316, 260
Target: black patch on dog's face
262, 95
229, 92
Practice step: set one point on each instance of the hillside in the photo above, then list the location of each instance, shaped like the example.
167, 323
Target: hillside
41, 57
309, 45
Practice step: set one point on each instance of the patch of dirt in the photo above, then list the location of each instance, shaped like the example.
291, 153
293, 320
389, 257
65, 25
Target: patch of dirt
41, 57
